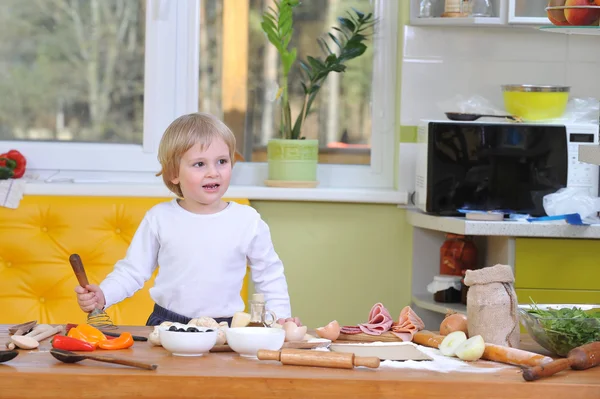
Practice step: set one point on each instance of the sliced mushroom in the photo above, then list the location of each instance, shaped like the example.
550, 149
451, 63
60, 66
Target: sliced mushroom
24, 342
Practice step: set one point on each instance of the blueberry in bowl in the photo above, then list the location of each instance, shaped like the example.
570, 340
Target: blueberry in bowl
184, 340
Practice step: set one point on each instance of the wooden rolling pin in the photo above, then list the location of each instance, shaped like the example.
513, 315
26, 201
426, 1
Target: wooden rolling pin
299, 357
494, 353
580, 358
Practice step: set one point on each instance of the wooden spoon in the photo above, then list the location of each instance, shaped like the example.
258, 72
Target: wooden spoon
72, 357
5, 356
22, 328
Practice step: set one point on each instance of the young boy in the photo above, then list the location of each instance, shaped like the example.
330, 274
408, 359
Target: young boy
201, 242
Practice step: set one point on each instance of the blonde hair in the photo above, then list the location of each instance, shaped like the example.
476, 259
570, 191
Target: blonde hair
181, 135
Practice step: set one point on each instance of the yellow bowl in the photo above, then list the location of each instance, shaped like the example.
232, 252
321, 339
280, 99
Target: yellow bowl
536, 102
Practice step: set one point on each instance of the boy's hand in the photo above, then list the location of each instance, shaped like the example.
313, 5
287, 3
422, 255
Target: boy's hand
90, 297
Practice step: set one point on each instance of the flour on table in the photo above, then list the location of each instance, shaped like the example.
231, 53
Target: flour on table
443, 364
440, 363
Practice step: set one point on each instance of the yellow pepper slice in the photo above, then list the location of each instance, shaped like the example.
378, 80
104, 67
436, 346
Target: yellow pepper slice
87, 333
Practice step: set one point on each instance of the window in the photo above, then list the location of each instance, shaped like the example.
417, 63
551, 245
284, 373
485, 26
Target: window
239, 78
85, 81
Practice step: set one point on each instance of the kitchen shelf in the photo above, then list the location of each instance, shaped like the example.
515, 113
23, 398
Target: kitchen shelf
427, 302
459, 225
572, 30
438, 21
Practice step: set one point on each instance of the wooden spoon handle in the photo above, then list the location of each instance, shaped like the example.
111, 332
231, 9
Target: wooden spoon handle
77, 266
545, 370
124, 362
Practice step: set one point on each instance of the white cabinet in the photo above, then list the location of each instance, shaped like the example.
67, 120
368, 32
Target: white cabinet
505, 13
529, 12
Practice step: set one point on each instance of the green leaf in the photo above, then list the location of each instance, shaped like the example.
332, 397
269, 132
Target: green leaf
360, 15
346, 23
307, 69
331, 59
339, 68
324, 46
342, 32
354, 52
335, 40
269, 25
287, 59
316, 63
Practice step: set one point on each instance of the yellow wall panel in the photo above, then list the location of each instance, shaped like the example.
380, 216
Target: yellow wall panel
36, 240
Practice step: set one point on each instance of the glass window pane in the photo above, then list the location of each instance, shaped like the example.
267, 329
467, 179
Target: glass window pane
72, 70
531, 8
239, 72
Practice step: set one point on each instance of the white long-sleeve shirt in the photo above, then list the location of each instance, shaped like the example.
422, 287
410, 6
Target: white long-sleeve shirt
202, 261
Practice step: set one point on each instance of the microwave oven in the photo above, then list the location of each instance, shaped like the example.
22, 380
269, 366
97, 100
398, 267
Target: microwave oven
499, 166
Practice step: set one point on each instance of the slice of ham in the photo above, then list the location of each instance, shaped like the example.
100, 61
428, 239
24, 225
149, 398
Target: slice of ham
380, 321
408, 324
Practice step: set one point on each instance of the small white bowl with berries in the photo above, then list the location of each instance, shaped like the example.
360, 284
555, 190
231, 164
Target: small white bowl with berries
185, 340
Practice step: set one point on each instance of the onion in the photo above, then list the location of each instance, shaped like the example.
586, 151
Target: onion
454, 322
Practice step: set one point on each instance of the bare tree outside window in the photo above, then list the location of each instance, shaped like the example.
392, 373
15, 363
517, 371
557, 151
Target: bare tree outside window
72, 70
239, 70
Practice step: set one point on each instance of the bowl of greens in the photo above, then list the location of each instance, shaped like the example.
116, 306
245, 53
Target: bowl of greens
559, 328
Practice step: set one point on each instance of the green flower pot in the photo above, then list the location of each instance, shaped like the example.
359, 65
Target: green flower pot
293, 160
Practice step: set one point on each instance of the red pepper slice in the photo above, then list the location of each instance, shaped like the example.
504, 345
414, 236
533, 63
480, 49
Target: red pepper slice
71, 344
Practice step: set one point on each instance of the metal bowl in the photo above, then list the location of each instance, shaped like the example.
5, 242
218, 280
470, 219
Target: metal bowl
536, 88
560, 334
535, 102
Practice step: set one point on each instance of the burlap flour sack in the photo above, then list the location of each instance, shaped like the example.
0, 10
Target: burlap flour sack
492, 307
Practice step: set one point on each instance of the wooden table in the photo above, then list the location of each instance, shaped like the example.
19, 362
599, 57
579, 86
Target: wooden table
36, 374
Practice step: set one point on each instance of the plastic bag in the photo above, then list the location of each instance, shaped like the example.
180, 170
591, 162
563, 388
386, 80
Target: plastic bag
572, 200
580, 111
470, 105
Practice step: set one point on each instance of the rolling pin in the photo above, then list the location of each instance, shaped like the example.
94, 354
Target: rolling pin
494, 353
580, 358
299, 357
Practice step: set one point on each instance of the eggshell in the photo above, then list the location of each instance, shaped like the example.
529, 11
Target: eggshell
331, 331
293, 332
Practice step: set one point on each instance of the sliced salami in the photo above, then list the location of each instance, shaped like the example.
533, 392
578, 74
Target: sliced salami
350, 330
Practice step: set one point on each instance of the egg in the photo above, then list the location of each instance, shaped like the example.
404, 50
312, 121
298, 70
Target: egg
293, 332
331, 331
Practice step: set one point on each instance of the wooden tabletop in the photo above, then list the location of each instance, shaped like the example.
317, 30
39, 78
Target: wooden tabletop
227, 375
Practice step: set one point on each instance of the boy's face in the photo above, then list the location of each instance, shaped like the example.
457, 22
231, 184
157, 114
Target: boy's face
204, 177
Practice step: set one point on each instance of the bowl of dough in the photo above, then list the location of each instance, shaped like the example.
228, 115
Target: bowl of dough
247, 341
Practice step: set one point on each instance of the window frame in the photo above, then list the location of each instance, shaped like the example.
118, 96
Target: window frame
171, 89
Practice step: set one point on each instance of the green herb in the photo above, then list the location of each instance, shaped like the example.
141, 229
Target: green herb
567, 328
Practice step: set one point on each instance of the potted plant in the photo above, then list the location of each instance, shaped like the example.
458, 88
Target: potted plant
292, 159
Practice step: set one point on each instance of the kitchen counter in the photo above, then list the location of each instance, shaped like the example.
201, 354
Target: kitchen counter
506, 228
36, 374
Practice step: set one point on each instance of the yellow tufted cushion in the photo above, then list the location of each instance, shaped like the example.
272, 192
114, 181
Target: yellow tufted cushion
36, 240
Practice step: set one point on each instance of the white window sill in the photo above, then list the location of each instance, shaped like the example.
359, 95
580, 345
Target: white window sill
148, 185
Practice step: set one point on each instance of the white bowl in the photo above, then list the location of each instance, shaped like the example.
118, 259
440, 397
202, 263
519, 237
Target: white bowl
248, 340
181, 343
